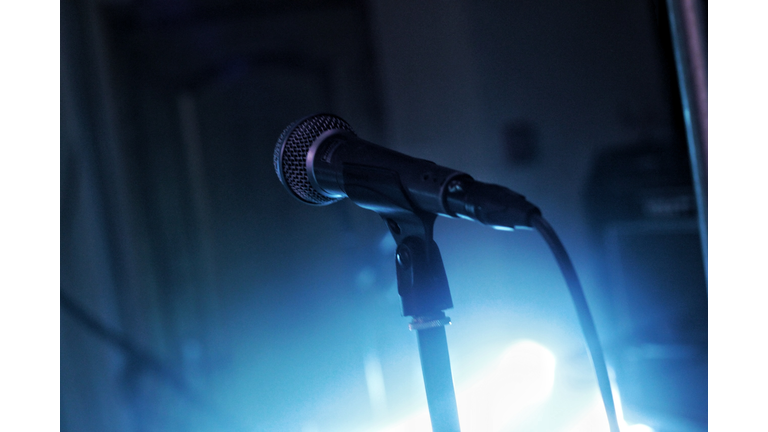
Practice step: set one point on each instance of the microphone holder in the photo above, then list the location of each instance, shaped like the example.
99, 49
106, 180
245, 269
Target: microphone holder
423, 288
421, 281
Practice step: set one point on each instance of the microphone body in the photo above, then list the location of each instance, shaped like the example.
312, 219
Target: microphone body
340, 165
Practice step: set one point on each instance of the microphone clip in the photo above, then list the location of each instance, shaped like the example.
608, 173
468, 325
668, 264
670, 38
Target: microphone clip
421, 279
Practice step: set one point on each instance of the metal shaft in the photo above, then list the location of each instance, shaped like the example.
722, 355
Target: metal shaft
438, 381
689, 45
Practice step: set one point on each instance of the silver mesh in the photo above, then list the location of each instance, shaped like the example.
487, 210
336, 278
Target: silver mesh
290, 156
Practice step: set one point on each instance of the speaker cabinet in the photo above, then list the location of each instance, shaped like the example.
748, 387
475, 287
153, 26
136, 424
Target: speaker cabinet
642, 211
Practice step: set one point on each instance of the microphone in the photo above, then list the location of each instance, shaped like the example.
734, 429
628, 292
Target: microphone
320, 160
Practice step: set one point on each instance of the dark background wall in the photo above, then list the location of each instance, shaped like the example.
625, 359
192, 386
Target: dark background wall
198, 295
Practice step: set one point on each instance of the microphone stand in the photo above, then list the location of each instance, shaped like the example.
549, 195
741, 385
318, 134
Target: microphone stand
423, 288
421, 281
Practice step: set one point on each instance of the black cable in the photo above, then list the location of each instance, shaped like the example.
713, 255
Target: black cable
582, 311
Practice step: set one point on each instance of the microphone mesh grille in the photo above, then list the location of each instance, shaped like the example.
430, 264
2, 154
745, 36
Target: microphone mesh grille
290, 156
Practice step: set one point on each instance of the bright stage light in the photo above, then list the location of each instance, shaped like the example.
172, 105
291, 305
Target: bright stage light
638, 428
522, 378
595, 420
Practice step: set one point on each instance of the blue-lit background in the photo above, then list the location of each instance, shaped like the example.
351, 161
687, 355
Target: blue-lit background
198, 295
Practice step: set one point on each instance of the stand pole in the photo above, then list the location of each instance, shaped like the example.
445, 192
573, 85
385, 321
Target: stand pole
689, 45
423, 288
438, 382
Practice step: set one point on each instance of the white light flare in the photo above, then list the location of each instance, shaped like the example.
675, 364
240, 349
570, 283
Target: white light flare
596, 420
374, 378
522, 378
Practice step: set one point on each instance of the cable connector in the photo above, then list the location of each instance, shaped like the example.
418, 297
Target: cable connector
488, 204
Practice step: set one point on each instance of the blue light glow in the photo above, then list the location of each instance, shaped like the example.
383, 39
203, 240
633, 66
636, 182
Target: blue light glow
374, 379
503, 396
594, 418
522, 378
639, 428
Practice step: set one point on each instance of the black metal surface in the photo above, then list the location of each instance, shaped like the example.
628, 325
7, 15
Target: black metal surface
438, 381
421, 280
